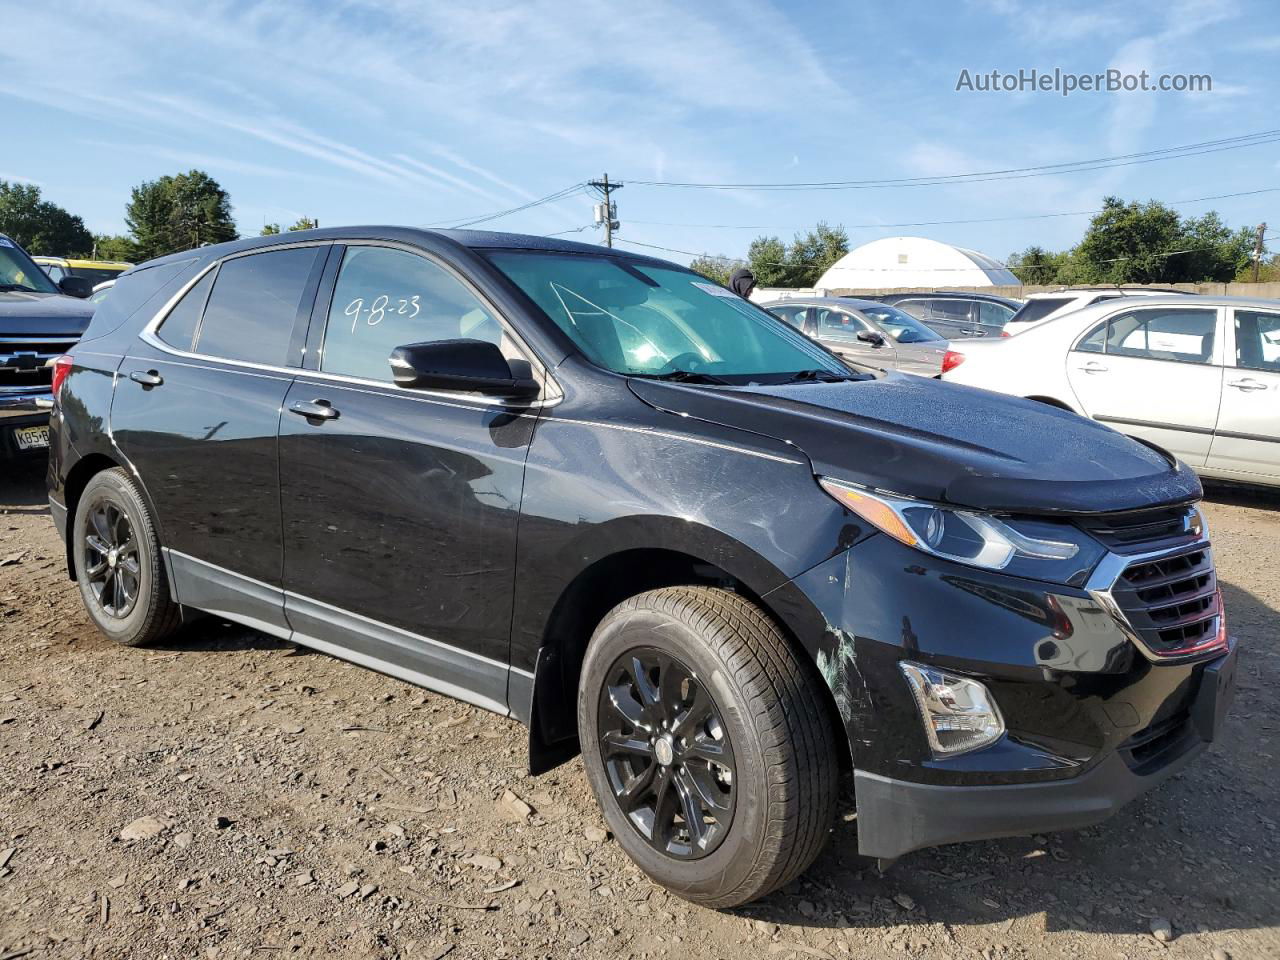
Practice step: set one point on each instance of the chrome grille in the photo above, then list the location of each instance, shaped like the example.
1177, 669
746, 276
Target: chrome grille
24, 359
1172, 602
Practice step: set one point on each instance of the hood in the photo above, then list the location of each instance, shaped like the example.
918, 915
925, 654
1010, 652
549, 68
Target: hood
945, 442
23, 313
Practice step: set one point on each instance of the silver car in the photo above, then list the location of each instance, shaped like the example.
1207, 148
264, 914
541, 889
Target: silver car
866, 332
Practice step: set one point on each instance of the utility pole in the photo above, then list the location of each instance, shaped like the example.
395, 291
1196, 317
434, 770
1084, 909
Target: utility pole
607, 212
1257, 250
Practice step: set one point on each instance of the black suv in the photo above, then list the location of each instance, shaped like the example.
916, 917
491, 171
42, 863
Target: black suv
39, 321
600, 494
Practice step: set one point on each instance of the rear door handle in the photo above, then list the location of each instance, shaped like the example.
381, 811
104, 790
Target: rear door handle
1092, 367
148, 379
1248, 383
314, 409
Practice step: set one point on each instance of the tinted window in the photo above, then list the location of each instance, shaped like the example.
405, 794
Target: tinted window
93, 274
1036, 310
179, 327
1096, 341
949, 309
254, 304
1163, 334
994, 314
1258, 340
914, 307
388, 298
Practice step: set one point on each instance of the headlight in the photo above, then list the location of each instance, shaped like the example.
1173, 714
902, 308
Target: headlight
1025, 547
959, 714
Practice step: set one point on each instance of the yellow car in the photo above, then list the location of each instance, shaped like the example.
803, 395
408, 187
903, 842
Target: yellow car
95, 271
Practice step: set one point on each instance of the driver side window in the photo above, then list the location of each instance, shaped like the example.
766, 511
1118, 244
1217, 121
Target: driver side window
386, 298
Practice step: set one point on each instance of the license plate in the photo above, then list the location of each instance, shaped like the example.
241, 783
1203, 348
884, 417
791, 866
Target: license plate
31, 438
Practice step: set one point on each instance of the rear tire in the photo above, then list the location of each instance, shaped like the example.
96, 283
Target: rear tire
772, 800
118, 564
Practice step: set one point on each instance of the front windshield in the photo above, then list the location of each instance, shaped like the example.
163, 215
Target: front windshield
19, 272
639, 319
900, 325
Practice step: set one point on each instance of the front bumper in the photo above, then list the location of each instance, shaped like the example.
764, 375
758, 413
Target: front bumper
1091, 722
26, 409
898, 816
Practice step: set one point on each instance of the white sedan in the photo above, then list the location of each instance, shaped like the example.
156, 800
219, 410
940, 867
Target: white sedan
1199, 376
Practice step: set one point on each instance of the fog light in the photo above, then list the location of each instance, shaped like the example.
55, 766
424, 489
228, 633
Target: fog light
959, 714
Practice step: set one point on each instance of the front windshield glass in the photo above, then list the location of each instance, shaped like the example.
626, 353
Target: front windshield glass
900, 325
19, 272
639, 319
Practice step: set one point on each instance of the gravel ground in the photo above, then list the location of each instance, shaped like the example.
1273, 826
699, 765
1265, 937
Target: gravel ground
228, 795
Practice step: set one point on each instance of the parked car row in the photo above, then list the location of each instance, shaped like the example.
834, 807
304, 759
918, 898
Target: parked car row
867, 332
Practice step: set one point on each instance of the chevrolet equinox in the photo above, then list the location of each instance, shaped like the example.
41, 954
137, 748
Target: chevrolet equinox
605, 496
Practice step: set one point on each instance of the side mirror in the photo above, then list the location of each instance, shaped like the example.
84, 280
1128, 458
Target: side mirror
871, 337
76, 287
474, 366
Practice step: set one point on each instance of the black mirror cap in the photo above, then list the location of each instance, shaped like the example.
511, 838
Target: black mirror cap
471, 366
76, 287
870, 336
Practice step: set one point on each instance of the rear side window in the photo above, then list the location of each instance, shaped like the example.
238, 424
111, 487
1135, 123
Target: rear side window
388, 298
1185, 336
949, 309
914, 307
994, 314
179, 327
254, 304
1035, 310
793, 315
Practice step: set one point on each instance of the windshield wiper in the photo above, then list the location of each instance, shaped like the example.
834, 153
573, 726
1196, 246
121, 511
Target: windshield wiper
817, 376
684, 376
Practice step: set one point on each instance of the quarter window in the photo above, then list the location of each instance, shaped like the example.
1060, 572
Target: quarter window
1258, 341
179, 327
994, 314
387, 298
254, 305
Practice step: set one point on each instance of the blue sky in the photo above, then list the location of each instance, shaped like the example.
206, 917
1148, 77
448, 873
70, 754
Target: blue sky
420, 112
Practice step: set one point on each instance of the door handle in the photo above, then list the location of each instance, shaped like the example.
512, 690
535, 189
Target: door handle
148, 379
1092, 367
1248, 383
314, 409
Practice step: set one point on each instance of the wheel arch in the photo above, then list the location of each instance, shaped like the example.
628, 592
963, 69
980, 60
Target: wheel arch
593, 592
1054, 402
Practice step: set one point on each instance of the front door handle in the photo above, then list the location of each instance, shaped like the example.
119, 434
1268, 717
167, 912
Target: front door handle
148, 378
314, 409
1092, 367
1248, 383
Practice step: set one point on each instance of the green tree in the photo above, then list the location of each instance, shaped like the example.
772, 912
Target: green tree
1269, 272
178, 213
718, 269
304, 223
42, 227
1151, 243
269, 229
108, 246
802, 263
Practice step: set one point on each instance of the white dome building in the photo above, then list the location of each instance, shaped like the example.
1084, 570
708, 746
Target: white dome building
913, 262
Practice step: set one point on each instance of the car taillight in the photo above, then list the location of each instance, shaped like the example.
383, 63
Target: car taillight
61, 367
1005, 333
951, 359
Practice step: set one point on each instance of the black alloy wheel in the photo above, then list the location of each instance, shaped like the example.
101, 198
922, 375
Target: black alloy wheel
667, 753
112, 567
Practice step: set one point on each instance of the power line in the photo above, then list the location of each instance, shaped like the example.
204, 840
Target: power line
1013, 173
940, 223
459, 223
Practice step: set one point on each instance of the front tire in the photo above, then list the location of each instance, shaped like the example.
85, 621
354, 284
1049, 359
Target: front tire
707, 744
117, 561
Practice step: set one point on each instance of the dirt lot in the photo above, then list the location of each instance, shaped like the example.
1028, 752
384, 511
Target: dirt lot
297, 806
